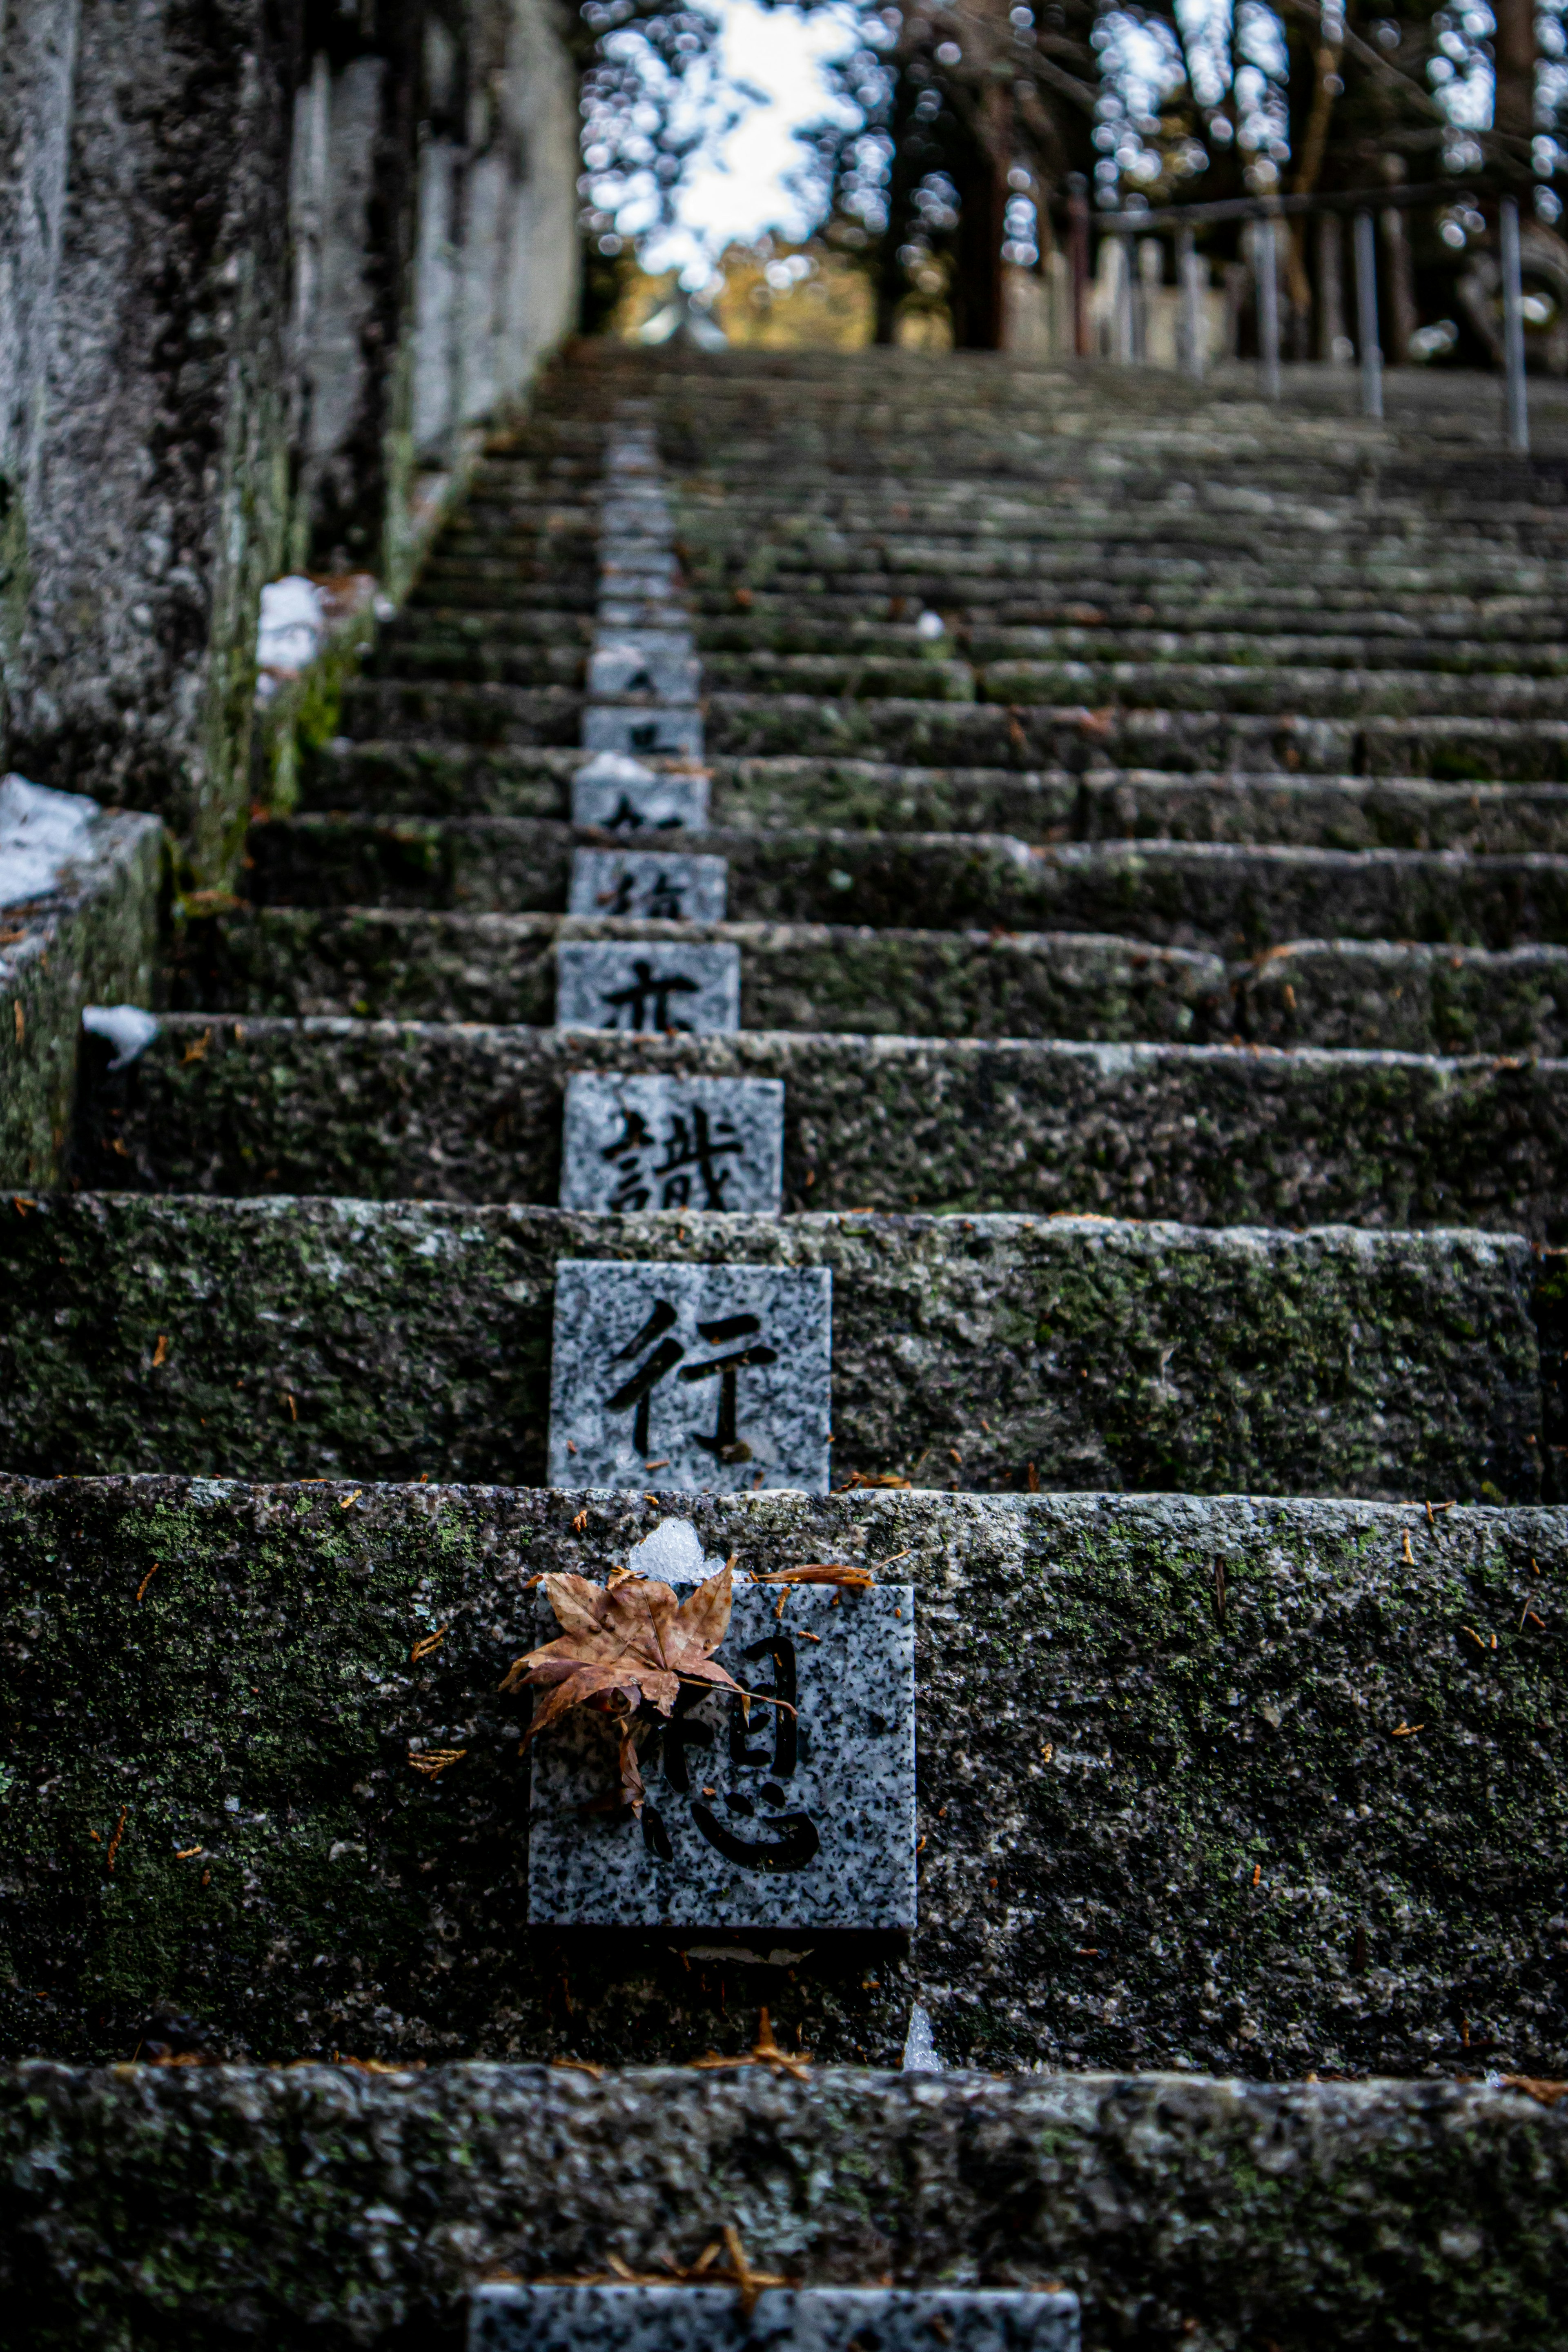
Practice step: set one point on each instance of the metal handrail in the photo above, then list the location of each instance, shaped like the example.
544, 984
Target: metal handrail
1362, 204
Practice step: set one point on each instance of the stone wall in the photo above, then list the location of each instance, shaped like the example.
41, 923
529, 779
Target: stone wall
230, 272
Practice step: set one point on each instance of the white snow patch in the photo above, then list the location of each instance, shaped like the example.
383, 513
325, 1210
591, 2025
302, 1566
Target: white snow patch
292, 627
920, 2055
40, 832
128, 1028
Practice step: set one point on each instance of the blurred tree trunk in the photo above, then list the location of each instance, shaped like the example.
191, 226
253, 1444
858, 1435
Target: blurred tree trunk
1513, 52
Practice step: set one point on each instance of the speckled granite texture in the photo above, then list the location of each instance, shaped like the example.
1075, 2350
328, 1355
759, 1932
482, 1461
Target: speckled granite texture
412, 963
298, 1337
1235, 1786
1234, 899
181, 2208
614, 2319
1220, 1135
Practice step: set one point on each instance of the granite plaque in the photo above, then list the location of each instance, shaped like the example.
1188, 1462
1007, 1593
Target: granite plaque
798, 1814
648, 985
651, 663
672, 733
636, 1142
629, 518
652, 886
716, 1378
505, 2317
639, 602
620, 794
654, 569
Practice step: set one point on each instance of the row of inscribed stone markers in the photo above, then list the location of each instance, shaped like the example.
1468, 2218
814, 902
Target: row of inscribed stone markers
661, 1143
797, 1812
718, 1375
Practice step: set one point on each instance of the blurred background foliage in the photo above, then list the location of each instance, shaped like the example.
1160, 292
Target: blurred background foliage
940, 163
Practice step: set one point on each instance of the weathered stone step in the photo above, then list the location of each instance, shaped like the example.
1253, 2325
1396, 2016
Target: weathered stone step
296, 1337
406, 963
1124, 2208
1206, 687
479, 660
1235, 898
1038, 735
541, 586
1407, 998
1173, 1816
1127, 647
1013, 534
956, 574
1374, 638
469, 713
822, 622
1210, 1135
434, 779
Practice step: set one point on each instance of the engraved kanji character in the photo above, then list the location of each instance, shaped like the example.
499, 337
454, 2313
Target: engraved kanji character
724, 1443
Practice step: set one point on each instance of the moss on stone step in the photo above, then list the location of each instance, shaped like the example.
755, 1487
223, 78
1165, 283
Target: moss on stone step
405, 961
1239, 1785
1208, 1136
1235, 899
283, 1337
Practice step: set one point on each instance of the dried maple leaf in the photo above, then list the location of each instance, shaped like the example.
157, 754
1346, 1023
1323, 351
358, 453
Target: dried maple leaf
622, 1647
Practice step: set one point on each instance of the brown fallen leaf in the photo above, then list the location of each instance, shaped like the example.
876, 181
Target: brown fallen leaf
763, 2051
623, 1646
1535, 2087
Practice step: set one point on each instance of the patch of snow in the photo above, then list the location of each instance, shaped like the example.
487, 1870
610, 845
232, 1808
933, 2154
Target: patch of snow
40, 832
920, 2055
292, 625
615, 768
672, 1553
128, 1028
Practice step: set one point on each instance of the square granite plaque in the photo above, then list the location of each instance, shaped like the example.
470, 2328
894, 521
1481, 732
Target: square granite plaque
620, 794
637, 603
792, 1820
646, 986
645, 667
713, 1378
627, 516
653, 569
651, 886
651, 732
524, 2318
633, 1143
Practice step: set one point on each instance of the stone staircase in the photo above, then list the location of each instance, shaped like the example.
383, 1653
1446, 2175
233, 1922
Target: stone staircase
1145, 823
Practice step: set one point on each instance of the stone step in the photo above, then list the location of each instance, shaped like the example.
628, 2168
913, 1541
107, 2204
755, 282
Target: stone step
1205, 1136
487, 662
1374, 631
1407, 998
1211, 686
1174, 1816
783, 794
1236, 899
1116, 2176
1120, 649
930, 734
410, 964
823, 621
952, 576
289, 1337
